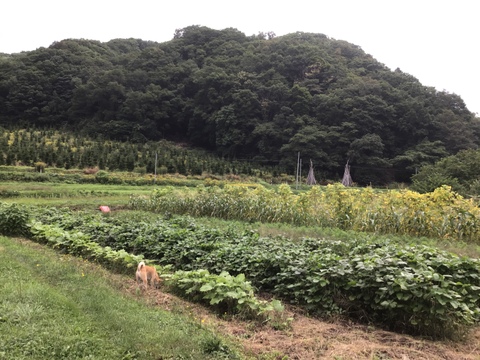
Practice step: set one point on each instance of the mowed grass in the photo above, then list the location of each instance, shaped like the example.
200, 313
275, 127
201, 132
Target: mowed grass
54, 306
71, 195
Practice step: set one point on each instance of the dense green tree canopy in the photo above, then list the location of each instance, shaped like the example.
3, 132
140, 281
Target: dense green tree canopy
257, 97
460, 171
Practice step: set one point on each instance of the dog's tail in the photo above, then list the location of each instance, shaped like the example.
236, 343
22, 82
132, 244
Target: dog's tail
142, 264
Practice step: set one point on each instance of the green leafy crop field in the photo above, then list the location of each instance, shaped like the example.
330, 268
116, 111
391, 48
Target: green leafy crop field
395, 281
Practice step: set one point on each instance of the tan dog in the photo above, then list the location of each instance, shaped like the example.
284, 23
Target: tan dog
147, 273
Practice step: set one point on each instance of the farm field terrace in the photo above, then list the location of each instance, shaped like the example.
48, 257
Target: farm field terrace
151, 201
70, 195
31, 297
419, 288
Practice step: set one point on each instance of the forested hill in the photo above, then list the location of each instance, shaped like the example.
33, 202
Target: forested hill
246, 97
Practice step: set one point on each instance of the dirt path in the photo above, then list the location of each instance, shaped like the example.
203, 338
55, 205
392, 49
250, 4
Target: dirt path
307, 338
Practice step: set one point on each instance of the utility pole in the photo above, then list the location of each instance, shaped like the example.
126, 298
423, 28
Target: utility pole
298, 171
155, 177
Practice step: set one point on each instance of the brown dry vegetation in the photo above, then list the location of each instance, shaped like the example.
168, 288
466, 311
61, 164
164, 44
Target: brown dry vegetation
306, 338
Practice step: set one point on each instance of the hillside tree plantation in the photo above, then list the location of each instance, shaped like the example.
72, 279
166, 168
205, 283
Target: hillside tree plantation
262, 98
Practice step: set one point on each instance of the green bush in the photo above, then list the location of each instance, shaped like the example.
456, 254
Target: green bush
13, 219
459, 171
431, 178
102, 177
80, 244
226, 293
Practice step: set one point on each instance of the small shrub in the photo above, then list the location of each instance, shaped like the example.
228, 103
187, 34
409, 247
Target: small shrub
102, 177
140, 170
13, 219
40, 166
226, 293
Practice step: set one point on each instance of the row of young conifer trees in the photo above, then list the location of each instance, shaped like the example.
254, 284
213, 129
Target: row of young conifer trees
60, 150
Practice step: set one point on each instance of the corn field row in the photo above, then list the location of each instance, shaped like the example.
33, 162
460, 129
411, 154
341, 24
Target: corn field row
439, 214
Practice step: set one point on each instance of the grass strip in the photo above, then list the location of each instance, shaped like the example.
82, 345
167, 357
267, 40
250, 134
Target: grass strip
54, 306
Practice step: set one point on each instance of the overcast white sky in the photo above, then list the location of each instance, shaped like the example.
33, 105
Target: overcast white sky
437, 41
